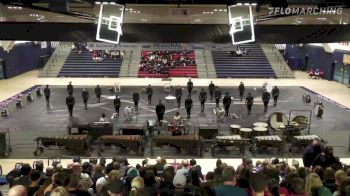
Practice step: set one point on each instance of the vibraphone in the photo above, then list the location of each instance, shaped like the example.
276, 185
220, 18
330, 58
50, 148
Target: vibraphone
260, 142
132, 142
228, 141
192, 144
78, 144
302, 141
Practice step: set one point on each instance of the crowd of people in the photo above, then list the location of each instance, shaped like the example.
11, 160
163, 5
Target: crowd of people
315, 73
96, 177
161, 62
99, 55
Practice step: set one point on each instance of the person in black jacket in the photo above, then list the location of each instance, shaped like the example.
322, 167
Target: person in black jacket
202, 98
70, 101
190, 86
311, 152
85, 96
178, 95
70, 88
47, 93
249, 101
211, 90
116, 103
265, 98
275, 94
160, 110
136, 99
98, 92
326, 159
226, 102
241, 90
149, 92
188, 105
217, 95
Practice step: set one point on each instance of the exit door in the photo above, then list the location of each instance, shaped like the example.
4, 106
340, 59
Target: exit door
342, 73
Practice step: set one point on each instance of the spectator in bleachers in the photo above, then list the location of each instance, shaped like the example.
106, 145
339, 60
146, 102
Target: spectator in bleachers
17, 190
314, 186
24, 179
34, 182
160, 62
228, 187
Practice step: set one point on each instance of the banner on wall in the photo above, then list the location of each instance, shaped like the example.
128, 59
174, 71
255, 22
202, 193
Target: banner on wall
160, 46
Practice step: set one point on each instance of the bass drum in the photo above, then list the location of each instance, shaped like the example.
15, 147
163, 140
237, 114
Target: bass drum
278, 121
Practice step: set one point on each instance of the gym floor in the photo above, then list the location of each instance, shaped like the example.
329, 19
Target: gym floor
35, 119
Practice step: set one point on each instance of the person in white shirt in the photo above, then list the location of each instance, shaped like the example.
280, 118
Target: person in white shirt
103, 118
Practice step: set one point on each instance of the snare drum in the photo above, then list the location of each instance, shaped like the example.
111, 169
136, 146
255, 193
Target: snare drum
260, 124
235, 129
245, 133
260, 131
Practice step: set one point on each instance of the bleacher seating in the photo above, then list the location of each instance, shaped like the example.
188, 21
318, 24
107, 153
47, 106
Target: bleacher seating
254, 65
82, 65
190, 70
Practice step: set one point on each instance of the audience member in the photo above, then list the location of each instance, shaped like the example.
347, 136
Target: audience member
228, 187
17, 190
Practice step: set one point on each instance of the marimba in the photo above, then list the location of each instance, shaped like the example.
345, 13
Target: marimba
261, 142
131, 142
228, 141
77, 144
192, 144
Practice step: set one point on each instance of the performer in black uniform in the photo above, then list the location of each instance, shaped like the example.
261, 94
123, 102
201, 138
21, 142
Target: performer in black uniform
85, 95
116, 103
149, 92
70, 88
47, 93
249, 101
98, 92
188, 106
265, 98
211, 90
241, 90
311, 152
136, 99
275, 94
202, 98
226, 102
217, 95
70, 101
190, 86
178, 94
160, 110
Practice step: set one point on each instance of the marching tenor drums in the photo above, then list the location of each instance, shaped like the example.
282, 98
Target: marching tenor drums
260, 131
245, 133
235, 129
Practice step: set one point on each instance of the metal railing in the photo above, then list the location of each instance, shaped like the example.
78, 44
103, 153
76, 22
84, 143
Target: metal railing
55, 60
278, 60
